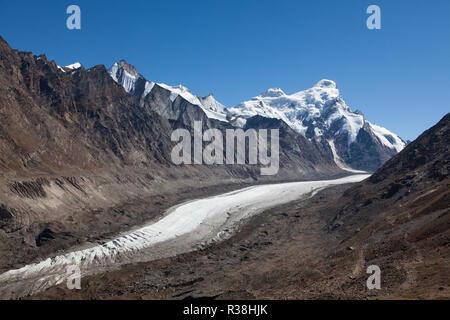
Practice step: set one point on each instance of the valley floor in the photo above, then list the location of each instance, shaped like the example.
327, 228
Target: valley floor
290, 252
184, 228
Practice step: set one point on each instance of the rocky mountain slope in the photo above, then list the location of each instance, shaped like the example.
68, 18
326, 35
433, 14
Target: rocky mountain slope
399, 219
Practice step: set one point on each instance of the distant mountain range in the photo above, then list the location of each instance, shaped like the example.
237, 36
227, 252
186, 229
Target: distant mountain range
318, 114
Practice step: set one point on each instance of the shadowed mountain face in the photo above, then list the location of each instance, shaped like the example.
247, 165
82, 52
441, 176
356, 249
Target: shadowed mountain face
414, 184
399, 219
425, 160
54, 120
423, 164
73, 147
80, 157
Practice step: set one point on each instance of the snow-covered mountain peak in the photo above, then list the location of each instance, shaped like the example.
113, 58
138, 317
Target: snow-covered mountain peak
213, 108
317, 113
130, 69
322, 94
325, 83
211, 103
298, 108
273, 93
125, 74
210, 97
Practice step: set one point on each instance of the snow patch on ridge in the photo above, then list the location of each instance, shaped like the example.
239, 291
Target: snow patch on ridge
72, 66
214, 109
125, 75
388, 138
182, 91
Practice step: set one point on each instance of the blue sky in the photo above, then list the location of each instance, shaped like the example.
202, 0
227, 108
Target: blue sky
398, 76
